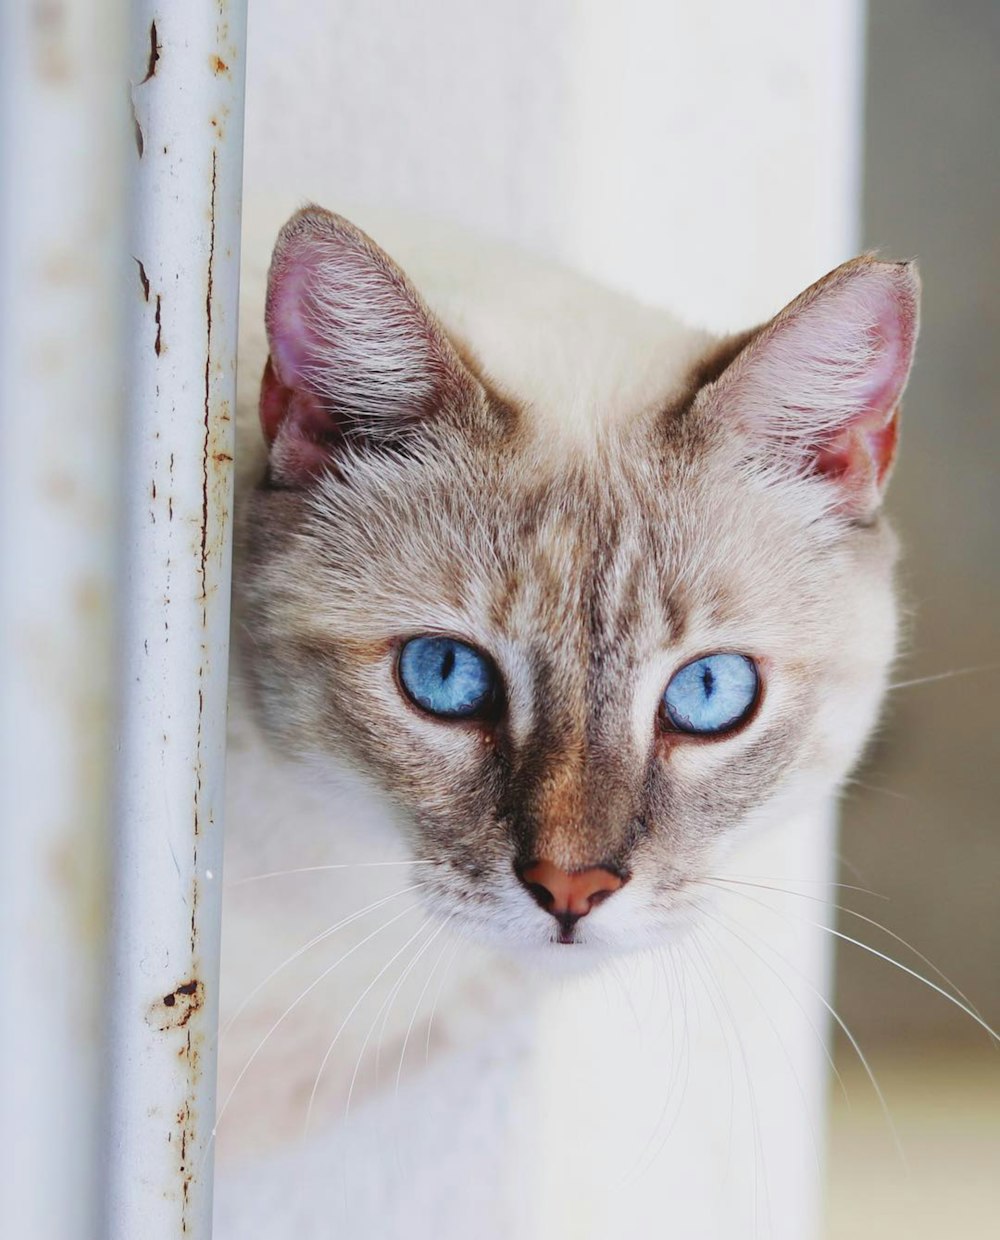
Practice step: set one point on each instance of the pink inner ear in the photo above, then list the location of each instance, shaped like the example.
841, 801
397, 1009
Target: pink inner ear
352, 348
293, 342
296, 427
822, 384
274, 401
860, 454
302, 421
860, 457
295, 422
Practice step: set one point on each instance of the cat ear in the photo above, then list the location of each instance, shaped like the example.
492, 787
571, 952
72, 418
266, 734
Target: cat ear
354, 352
821, 383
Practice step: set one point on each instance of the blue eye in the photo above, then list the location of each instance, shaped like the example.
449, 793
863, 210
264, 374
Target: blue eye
446, 677
712, 694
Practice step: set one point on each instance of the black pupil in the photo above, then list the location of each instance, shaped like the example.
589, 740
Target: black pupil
447, 663
708, 681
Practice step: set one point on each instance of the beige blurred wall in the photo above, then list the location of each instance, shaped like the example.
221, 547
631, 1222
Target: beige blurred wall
929, 837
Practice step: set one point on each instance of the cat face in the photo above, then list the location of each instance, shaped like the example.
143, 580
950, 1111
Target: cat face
533, 756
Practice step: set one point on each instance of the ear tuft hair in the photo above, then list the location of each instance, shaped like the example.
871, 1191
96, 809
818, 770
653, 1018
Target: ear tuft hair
354, 351
820, 385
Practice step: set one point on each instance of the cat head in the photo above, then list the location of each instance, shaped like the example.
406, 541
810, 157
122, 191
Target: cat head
579, 665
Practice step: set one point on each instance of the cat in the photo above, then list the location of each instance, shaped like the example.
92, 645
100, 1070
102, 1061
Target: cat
544, 592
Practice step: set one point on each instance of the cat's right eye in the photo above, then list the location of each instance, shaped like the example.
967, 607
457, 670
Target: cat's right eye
712, 695
447, 678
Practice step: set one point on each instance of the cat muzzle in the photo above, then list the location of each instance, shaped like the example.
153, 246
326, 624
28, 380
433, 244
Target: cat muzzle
568, 897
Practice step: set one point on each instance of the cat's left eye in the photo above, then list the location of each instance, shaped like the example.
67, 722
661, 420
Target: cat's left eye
447, 678
712, 695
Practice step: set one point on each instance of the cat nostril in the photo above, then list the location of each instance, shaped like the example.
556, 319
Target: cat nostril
541, 894
568, 895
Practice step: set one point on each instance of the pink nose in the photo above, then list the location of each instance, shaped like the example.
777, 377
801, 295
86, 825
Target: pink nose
568, 895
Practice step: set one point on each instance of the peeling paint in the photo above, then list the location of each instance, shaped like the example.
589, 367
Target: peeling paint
188, 1165
209, 281
154, 54
186, 232
143, 279
140, 142
175, 1009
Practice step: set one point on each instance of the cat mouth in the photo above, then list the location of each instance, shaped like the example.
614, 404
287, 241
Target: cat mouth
566, 935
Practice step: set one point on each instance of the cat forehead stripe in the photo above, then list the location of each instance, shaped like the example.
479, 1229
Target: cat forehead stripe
590, 496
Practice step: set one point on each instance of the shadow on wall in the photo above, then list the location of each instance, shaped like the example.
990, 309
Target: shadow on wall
923, 826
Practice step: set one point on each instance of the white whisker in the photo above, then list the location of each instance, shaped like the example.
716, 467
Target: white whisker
655, 1142
960, 671
886, 792
343, 1024
416, 1006
760, 1172
383, 1010
437, 997
758, 880
285, 1014
842, 908
391, 999
847, 864
777, 1033
842, 1025
313, 869
962, 1007
798, 1003
323, 934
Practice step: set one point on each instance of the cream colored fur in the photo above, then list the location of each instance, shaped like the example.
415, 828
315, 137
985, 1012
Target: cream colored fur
583, 365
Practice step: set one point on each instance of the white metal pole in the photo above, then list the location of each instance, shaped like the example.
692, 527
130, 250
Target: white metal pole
62, 144
187, 65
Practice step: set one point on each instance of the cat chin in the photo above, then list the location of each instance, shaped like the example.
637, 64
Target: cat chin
562, 959
583, 955
526, 948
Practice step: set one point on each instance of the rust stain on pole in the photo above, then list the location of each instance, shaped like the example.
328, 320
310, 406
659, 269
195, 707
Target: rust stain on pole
209, 284
175, 1009
188, 74
154, 54
143, 279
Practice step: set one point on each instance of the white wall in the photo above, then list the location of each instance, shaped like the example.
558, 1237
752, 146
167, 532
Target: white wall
702, 155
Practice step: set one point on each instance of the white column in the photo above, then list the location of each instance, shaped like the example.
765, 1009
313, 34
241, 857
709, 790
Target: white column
704, 156
61, 217
187, 69
715, 154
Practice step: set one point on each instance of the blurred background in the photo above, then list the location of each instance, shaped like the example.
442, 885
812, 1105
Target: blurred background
922, 824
